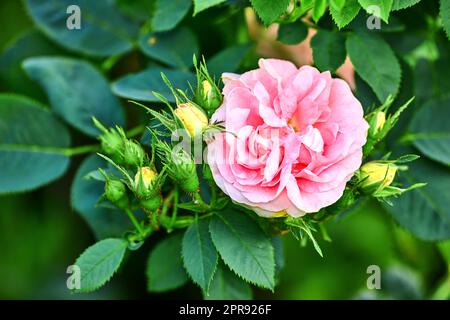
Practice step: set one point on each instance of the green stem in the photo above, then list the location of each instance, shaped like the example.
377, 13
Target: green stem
135, 131
135, 222
443, 290
81, 150
175, 209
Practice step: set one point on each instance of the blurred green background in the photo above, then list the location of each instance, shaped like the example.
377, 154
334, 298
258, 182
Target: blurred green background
40, 236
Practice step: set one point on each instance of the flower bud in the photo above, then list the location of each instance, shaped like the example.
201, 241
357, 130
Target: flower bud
192, 118
115, 191
377, 122
376, 175
182, 170
133, 153
209, 96
144, 186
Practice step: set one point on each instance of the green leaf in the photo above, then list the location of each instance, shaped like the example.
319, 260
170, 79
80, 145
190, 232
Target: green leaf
319, 9
164, 266
200, 5
167, 14
228, 60
227, 286
328, 50
375, 62
379, 8
344, 16
77, 92
403, 4
32, 144
139, 10
425, 211
199, 254
103, 30
12, 76
431, 130
338, 4
85, 193
244, 247
445, 15
99, 262
139, 86
174, 48
269, 10
292, 33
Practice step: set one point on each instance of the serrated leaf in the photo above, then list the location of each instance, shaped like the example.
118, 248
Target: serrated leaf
292, 33
328, 50
269, 10
174, 48
430, 130
344, 16
227, 286
244, 247
32, 143
99, 262
165, 269
167, 14
77, 92
319, 9
200, 5
445, 15
103, 30
403, 4
338, 4
199, 254
140, 86
85, 194
378, 8
425, 211
375, 62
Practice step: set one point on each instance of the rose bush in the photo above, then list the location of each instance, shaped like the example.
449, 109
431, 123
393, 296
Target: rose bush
293, 138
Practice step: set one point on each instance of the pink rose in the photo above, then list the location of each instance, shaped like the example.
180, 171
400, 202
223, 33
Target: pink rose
292, 140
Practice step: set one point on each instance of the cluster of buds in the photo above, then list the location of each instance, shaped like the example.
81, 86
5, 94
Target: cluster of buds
122, 150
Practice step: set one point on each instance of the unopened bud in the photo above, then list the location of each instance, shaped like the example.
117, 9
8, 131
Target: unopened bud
377, 122
183, 170
116, 192
211, 97
192, 118
144, 186
375, 175
133, 153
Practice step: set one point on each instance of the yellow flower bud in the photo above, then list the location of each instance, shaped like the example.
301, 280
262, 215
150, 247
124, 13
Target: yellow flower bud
148, 175
377, 175
206, 88
380, 119
192, 118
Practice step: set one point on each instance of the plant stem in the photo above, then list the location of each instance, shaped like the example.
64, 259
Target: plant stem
134, 221
81, 150
175, 209
135, 131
